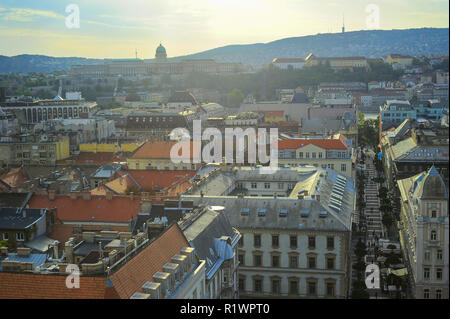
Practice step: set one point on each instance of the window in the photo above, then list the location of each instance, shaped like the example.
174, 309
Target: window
275, 240
241, 283
266, 185
293, 287
241, 241
330, 289
312, 242
320, 155
433, 214
426, 273
254, 185
439, 255
438, 294
439, 273
426, 294
257, 260
330, 242
313, 154
293, 241
330, 262
276, 260
20, 237
257, 240
433, 235
293, 261
280, 185
276, 286
307, 154
343, 167
311, 288
427, 255
300, 155
5, 236
241, 259
257, 284
312, 262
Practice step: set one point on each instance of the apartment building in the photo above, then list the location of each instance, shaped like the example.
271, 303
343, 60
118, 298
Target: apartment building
424, 232
296, 246
325, 153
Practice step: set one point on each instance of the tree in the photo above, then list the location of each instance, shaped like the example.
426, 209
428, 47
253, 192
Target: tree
360, 249
387, 220
235, 98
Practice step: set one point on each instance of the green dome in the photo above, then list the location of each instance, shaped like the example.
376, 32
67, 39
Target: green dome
161, 49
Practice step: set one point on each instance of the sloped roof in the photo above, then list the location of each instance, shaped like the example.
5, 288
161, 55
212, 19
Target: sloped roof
203, 232
15, 218
334, 144
131, 276
182, 97
432, 186
15, 177
98, 209
160, 150
46, 286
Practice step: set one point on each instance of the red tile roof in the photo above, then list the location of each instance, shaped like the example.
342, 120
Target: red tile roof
330, 144
86, 158
148, 179
131, 276
98, 209
268, 113
43, 286
160, 150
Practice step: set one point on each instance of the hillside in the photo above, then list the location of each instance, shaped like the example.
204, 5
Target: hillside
371, 44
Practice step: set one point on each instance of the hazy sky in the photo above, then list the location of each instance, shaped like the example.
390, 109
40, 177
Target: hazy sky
114, 29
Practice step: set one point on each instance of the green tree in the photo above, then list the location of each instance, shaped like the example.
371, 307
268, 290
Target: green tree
359, 290
235, 98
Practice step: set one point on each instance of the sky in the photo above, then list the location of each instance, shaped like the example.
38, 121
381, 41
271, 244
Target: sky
119, 28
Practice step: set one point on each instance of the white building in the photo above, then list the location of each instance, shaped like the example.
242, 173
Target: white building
285, 63
297, 246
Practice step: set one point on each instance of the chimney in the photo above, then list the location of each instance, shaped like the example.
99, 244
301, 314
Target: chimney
182, 261
300, 196
174, 270
131, 196
23, 252
69, 252
113, 254
88, 236
44, 192
140, 295
24, 213
164, 279
86, 195
189, 253
318, 197
51, 195
73, 195
153, 289
124, 236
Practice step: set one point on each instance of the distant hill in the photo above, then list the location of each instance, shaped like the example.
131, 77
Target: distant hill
371, 44
40, 63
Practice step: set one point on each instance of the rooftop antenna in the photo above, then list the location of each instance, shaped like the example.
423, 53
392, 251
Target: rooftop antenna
135, 53
343, 24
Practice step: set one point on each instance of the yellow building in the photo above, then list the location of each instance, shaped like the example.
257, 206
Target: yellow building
45, 151
110, 148
274, 116
399, 58
338, 63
